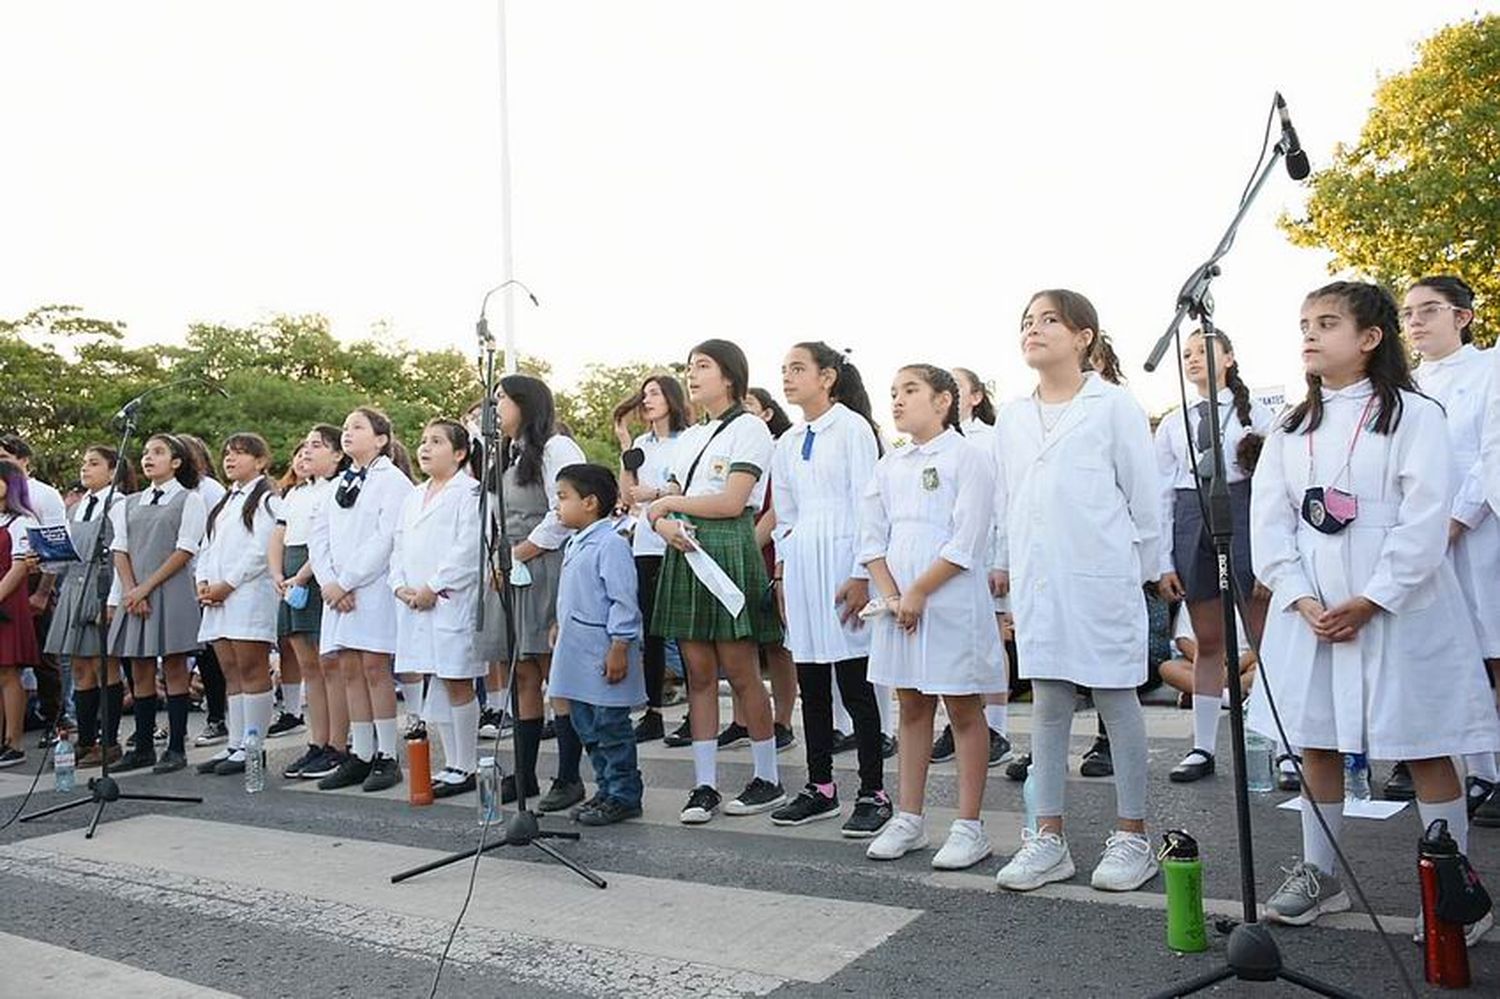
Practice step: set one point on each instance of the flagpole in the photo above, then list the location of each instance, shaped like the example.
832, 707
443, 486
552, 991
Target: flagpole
508, 318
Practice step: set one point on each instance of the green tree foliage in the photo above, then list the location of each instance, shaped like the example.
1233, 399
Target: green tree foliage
588, 408
1420, 192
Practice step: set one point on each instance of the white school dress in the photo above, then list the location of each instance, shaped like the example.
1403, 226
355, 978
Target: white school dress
231, 554
351, 546
437, 545
1082, 534
1461, 382
1411, 685
819, 473
925, 502
653, 472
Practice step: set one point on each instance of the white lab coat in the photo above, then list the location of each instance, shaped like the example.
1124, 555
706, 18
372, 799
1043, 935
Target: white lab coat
1490, 439
1411, 685
1082, 535
437, 545
237, 556
1461, 382
352, 548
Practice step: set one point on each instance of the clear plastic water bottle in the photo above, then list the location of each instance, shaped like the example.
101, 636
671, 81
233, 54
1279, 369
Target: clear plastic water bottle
489, 791
1260, 762
1356, 777
1028, 796
255, 764
62, 763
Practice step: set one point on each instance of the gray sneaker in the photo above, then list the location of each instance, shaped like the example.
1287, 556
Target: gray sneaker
561, 796
1305, 895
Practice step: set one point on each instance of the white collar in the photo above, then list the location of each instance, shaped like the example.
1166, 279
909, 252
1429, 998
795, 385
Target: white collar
823, 422
1360, 390
1458, 357
936, 445
167, 488
247, 488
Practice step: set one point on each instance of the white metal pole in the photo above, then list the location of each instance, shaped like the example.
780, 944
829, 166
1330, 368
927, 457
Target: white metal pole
508, 319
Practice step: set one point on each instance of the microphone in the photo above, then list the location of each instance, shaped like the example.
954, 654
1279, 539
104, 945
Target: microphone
482, 326
1296, 160
129, 410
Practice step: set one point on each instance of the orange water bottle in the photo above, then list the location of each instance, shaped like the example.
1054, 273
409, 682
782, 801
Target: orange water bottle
419, 759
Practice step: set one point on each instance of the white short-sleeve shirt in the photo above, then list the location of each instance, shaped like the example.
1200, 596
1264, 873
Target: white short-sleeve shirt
745, 445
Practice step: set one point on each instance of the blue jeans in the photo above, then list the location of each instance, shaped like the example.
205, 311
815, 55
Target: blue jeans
610, 739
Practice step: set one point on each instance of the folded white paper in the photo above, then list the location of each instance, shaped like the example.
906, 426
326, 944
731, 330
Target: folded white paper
716, 580
1355, 808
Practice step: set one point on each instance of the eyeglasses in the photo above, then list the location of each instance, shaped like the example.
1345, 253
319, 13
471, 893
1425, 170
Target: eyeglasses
1427, 313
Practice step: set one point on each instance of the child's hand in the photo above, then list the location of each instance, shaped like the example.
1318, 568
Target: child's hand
616, 662
332, 594
909, 610
219, 592
1342, 623
850, 599
423, 599
552, 636
1312, 611
999, 583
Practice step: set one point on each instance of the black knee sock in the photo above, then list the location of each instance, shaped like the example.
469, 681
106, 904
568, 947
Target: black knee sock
569, 749
177, 712
114, 707
86, 703
145, 724
528, 741
215, 691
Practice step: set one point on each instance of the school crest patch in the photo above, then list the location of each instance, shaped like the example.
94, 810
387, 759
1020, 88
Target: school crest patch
718, 468
929, 478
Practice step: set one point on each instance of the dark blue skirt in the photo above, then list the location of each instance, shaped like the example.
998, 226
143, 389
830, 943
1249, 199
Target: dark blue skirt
1193, 548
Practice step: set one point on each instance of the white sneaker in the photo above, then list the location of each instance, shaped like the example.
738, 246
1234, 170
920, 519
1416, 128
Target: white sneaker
900, 836
1473, 933
964, 848
1042, 859
1128, 862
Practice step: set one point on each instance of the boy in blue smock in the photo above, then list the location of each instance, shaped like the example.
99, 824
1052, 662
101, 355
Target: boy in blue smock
596, 658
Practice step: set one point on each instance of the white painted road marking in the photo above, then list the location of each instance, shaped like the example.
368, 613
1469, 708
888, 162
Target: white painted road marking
41, 971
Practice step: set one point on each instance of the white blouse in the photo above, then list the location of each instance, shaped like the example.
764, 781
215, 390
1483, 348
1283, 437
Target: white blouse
745, 445
189, 533
1461, 382
653, 472
296, 509
558, 453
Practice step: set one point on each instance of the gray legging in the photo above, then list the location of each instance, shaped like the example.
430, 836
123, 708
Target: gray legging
1051, 724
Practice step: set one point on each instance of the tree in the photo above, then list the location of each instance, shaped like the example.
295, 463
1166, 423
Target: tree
1420, 192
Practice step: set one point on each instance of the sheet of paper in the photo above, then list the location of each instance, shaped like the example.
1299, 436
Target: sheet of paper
716, 580
1355, 808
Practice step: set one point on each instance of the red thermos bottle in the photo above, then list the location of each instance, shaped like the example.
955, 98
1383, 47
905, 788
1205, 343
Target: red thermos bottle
1445, 953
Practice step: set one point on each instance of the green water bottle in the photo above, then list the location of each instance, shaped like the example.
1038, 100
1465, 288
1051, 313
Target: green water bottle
1183, 871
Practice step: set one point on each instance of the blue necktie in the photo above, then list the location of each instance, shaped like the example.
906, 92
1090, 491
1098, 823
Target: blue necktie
807, 443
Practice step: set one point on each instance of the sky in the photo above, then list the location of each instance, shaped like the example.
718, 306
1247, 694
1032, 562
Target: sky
893, 178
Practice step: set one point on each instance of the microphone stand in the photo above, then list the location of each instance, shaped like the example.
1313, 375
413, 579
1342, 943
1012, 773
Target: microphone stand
523, 828
1252, 954
104, 788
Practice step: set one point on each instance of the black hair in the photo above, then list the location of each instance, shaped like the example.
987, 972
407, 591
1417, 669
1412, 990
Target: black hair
187, 474
848, 385
17, 489
779, 423
1232, 379
940, 380
15, 444
393, 448
1387, 367
984, 409
732, 364
256, 447
1455, 291
1078, 314
198, 451
593, 480
124, 472
538, 423
457, 434
679, 413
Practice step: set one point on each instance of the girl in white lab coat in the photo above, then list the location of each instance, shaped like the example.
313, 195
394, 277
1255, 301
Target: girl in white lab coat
1369, 645
1189, 569
238, 598
1081, 538
925, 538
351, 555
819, 473
1438, 315
435, 576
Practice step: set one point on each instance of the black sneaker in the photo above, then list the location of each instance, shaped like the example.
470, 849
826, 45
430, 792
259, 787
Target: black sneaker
702, 802
10, 756
1487, 814
293, 770
843, 742
214, 732
999, 748
1018, 768
734, 735
385, 772
416, 729
680, 736
1478, 791
758, 796
508, 789
1286, 777
785, 738
209, 766
888, 746
942, 747
650, 727
562, 795
1399, 786
491, 723
810, 805
136, 759
608, 812
285, 724
351, 772
579, 808
871, 813
171, 761
1097, 762
322, 765
232, 766
453, 782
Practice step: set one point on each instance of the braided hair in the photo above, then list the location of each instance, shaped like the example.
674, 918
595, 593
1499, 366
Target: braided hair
1232, 379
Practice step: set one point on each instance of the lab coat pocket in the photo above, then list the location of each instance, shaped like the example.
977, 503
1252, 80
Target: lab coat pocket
588, 640
1109, 614
1091, 481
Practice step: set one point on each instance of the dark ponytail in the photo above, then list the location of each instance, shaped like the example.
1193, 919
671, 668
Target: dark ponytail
1232, 379
1387, 367
984, 409
848, 385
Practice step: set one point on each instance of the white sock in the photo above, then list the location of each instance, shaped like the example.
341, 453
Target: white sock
291, 698
705, 761
914, 818
364, 740
997, 717
1317, 849
236, 721
1205, 722
1482, 765
972, 825
465, 737
388, 737
411, 697
885, 705
1457, 814
258, 709
764, 755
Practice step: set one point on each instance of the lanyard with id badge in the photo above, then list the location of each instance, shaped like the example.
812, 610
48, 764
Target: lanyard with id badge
1331, 509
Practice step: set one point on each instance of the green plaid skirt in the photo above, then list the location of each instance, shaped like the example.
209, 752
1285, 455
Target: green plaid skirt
686, 610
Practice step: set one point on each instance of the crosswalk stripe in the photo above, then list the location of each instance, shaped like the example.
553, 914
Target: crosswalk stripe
43, 971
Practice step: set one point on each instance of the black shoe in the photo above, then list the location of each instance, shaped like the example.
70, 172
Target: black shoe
650, 727
702, 802
285, 724
608, 812
171, 761
785, 738
415, 730
999, 748
810, 805
385, 772
1287, 780
325, 763
1478, 790
562, 795
214, 732
843, 743
734, 735
943, 749
679, 737
455, 782
208, 766
492, 723
351, 772
1487, 812
136, 759
1399, 786
579, 808
229, 766
294, 769
1194, 766
888, 746
758, 796
871, 813
1097, 762
1018, 768
549, 730
13, 757
508, 789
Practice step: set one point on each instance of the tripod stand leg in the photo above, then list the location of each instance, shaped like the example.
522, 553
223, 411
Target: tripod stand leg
64, 807
1197, 984
94, 822
572, 865
1314, 986
452, 858
184, 799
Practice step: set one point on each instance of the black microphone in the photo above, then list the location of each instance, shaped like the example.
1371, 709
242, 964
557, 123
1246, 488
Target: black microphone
1296, 160
482, 326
